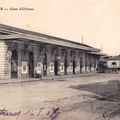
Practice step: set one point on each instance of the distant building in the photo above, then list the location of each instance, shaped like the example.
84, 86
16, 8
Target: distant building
113, 62
24, 53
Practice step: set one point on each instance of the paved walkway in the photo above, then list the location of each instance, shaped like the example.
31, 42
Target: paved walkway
62, 77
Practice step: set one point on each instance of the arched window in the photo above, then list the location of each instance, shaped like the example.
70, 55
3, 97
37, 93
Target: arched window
114, 64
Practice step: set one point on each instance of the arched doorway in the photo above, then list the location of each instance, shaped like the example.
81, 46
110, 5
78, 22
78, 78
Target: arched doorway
90, 65
81, 64
74, 66
65, 65
14, 64
31, 65
45, 64
56, 65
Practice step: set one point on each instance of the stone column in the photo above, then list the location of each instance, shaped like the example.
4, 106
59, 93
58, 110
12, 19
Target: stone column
7, 62
35, 51
61, 62
83, 62
92, 63
68, 61
88, 59
19, 61
97, 60
48, 53
77, 68
95, 64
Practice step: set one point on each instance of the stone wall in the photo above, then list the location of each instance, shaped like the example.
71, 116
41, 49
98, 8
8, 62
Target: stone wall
4, 57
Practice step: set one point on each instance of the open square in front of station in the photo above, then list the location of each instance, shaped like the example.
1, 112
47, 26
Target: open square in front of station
88, 97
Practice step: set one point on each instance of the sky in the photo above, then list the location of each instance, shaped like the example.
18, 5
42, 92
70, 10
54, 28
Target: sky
97, 21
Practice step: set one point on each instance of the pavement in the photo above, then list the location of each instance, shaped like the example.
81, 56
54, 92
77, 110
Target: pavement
44, 78
78, 97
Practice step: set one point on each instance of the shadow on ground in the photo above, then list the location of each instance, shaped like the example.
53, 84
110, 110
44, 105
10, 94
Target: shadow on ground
109, 89
106, 97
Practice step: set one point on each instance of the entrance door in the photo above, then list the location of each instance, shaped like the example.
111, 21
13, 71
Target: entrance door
31, 65
73, 66
14, 64
65, 65
44, 65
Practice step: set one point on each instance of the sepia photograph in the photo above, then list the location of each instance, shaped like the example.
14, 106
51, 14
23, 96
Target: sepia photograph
59, 60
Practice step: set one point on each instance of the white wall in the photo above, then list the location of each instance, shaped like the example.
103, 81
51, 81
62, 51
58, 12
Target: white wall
109, 63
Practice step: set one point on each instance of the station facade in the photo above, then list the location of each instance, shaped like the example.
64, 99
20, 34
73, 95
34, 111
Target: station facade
24, 53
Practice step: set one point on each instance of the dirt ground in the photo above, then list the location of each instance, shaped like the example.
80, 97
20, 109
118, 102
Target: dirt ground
95, 97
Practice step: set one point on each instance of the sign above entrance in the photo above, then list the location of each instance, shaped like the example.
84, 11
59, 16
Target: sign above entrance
24, 67
51, 67
39, 67
61, 67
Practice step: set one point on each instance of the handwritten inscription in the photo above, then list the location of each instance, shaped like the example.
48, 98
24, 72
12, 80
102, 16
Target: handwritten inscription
52, 113
5, 112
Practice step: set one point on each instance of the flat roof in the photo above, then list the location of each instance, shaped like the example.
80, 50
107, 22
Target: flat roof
16, 33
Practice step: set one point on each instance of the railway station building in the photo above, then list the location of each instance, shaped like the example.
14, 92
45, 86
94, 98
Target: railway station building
24, 53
